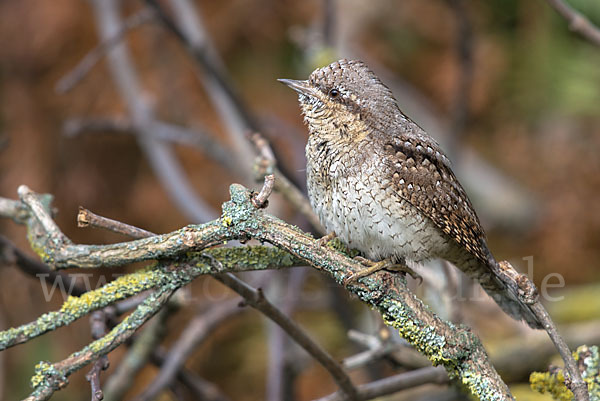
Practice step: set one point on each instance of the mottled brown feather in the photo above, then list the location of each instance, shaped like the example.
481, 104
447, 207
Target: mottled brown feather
421, 174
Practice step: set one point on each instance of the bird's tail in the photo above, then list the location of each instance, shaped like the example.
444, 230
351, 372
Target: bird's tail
506, 296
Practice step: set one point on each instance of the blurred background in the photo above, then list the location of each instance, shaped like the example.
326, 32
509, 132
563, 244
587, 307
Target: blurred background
141, 112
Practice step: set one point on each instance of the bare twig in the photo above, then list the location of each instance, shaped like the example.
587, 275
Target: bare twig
577, 21
282, 366
256, 299
187, 26
377, 348
93, 376
161, 157
264, 151
86, 218
39, 212
464, 52
10, 254
14, 210
283, 185
260, 200
71, 79
528, 293
143, 345
535, 351
203, 389
172, 133
192, 336
393, 384
98, 325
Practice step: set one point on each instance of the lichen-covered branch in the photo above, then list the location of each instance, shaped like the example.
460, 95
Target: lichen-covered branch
553, 381
454, 347
51, 377
164, 273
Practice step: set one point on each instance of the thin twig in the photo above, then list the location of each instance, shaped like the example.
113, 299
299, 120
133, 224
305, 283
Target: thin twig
577, 21
198, 137
282, 366
11, 255
40, 213
187, 26
260, 200
377, 348
86, 218
195, 333
283, 185
72, 78
462, 93
201, 388
93, 376
160, 156
256, 299
394, 384
528, 293
98, 325
142, 347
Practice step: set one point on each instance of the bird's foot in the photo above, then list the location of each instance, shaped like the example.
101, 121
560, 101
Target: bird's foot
324, 240
373, 267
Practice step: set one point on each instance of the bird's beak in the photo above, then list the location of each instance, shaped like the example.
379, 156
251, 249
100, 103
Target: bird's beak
299, 86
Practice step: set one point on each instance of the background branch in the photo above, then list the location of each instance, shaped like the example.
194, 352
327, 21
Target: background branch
577, 22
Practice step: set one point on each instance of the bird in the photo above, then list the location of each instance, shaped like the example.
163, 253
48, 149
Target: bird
383, 186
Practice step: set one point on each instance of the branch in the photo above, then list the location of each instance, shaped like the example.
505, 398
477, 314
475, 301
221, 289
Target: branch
143, 345
187, 27
577, 21
98, 328
203, 389
72, 78
192, 336
257, 300
523, 286
454, 347
166, 132
160, 156
393, 384
85, 218
260, 200
11, 255
553, 381
49, 377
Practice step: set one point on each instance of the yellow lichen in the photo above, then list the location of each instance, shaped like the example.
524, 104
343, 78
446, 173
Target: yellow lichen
552, 383
118, 289
226, 221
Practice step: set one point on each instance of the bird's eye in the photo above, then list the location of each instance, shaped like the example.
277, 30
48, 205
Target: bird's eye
333, 93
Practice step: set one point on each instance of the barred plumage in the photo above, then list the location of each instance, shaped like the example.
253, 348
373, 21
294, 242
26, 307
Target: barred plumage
383, 185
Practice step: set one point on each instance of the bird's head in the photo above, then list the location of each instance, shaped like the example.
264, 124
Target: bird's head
342, 100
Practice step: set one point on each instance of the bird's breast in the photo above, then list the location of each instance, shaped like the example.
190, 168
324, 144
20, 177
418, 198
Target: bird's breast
353, 198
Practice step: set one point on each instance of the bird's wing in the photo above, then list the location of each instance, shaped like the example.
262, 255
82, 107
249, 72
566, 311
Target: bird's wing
422, 175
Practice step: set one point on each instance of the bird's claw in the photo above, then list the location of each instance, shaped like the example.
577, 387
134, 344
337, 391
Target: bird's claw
324, 240
373, 267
